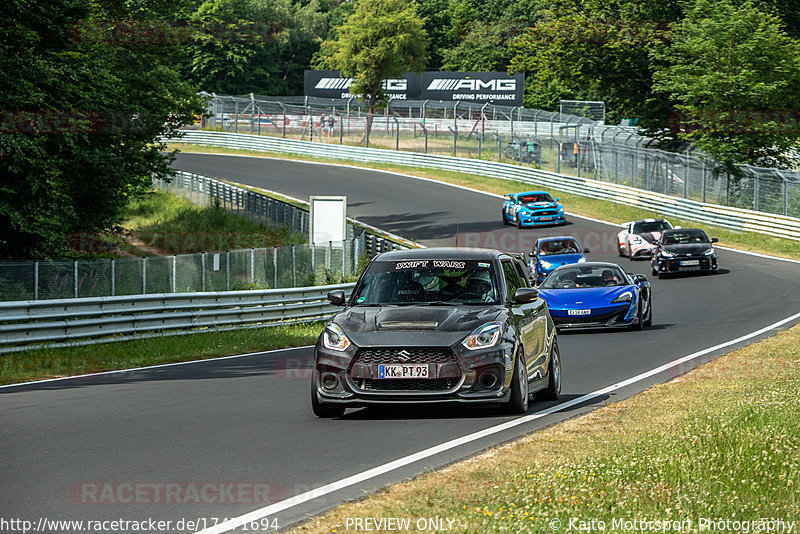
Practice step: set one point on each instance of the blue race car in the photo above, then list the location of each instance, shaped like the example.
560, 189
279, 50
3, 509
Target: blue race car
552, 252
597, 295
533, 208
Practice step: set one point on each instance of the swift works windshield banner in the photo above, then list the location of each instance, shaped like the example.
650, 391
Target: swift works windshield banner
494, 87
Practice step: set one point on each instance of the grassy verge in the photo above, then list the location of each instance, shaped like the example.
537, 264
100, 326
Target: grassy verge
173, 225
721, 442
56, 362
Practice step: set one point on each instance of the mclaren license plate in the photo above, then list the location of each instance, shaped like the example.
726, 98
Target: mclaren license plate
579, 312
690, 263
403, 370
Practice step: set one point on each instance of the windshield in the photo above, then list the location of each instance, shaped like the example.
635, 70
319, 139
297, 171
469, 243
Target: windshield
650, 227
427, 281
559, 246
541, 197
582, 276
683, 237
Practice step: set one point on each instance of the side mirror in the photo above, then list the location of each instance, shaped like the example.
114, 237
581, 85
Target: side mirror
336, 297
586, 251
714, 240
531, 254
677, 227
525, 295
556, 199
639, 278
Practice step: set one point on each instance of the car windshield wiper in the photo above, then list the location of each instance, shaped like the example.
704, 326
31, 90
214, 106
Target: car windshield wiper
440, 303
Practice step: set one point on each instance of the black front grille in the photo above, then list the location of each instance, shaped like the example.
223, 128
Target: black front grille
589, 319
377, 356
675, 265
545, 212
399, 384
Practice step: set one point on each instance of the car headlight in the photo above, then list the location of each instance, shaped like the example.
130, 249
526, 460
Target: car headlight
627, 296
484, 336
582, 260
560, 207
667, 254
710, 252
334, 338
545, 264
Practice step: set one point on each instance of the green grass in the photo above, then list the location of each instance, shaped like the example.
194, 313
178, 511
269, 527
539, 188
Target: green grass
68, 361
575, 204
722, 442
174, 225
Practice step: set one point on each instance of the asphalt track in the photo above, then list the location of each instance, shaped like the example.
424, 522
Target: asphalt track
247, 420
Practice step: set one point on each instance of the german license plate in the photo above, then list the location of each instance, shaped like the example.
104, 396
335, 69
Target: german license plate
407, 370
579, 312
689, 263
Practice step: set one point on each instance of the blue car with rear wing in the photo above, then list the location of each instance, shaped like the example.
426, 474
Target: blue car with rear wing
532, 208
597, 295
550, 253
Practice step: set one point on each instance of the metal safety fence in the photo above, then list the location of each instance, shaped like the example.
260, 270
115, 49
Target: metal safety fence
273, 267
706, 212
553, 141
98, 320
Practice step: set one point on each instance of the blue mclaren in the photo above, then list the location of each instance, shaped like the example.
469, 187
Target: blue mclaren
533, 208
551, 252
597, 295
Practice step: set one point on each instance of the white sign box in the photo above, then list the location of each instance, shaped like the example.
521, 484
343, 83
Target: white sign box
328, 216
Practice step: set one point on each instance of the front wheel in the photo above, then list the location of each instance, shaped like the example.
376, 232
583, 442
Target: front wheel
323, 409
649, 321
519, 221
505, 217
553, 391
639, 322
518, 403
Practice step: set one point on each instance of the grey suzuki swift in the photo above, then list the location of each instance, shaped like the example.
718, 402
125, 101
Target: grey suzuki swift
437, 325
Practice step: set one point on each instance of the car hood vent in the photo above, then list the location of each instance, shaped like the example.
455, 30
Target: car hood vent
410, 325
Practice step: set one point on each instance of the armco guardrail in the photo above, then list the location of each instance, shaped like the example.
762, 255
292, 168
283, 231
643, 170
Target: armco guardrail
726, 217
99, 320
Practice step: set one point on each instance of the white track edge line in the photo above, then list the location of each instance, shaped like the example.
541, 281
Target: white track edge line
280, 506
148, 367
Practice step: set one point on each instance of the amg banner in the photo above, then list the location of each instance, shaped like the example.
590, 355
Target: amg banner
497, 88
331, 84
494, 87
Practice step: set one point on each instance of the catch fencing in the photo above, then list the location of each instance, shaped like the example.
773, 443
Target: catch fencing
557, 142
223, 270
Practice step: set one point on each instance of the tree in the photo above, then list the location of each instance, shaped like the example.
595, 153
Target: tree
83, 107
271, 44
382, 39
734, 75
597, 50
